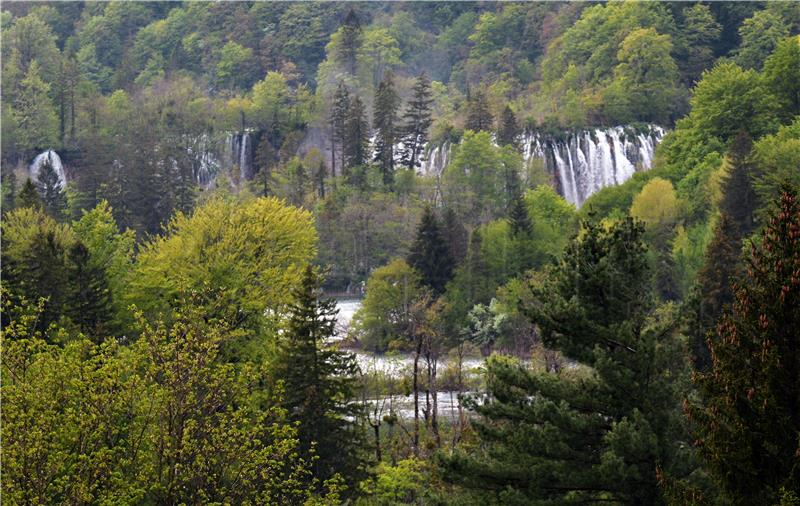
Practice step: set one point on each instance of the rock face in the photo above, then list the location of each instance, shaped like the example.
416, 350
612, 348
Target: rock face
581, 162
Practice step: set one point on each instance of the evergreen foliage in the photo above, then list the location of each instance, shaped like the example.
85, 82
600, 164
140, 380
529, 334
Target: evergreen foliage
748, 423
430, 255
28, 196
384, 123
355, 145
479, 117
417, 121
318, 382
600, 432
508, 132
338, 121
49, 187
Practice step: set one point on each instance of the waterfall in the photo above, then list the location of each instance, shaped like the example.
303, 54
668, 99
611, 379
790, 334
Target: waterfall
55, 160
582, 161
239, 152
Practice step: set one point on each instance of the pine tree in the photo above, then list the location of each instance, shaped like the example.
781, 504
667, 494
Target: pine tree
749, 423
508, 133
479, 117
9, 186
351, 41
356, 136
430, 255
319, 384
713, 292
572, 438
739, 200
49, 186
28, 196
338, 119
417, 121
89, 298
384, 122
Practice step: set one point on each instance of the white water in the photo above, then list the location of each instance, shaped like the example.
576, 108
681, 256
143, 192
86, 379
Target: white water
581, 162
55, 161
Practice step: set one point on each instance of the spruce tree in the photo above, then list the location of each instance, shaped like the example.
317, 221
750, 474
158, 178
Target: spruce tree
599, 432
739, 199
28, 196
430, 255
338, 120
519, 219
49, 186
89, 297
384, 122
749, 423
455, 235
319, 384
508, 133
350, 42
479, 117
714, 289
356, 136
417, 121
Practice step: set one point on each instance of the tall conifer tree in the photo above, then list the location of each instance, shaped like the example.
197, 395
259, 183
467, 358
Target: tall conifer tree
319, 384
479, 117
384, 122
351, 40
417, 121
49, 186
430, 255
356, 135
593, 437
338, 120
508, 131
749, 425
739, 200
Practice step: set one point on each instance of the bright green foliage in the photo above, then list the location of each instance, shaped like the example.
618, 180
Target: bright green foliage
760, 35
402, 483
776, 159
597, 431
645, 81
232, 67
385, 314
70, 427
33, 113
377, 55
782, 77
252, 252
473, 182
318, 382
728, 99
748, 422
430, 255
34, 261
656, 204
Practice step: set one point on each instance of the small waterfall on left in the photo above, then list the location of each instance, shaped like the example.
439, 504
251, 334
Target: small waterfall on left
55, 161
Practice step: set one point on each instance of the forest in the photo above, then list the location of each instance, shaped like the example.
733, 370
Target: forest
385, 253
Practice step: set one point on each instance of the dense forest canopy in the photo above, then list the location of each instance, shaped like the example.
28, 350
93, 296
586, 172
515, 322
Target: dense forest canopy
594, 204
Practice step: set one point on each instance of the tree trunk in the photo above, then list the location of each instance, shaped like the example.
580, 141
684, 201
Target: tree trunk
434, 395
417, 352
